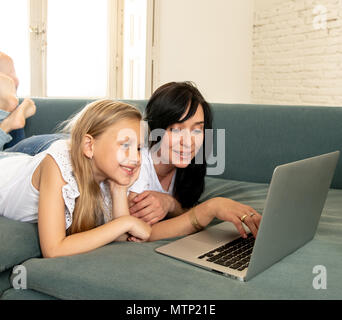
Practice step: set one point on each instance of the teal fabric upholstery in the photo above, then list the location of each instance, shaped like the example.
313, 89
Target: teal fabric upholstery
19, 242
258, 138
5, 281
52, 112
15, 294
136, 271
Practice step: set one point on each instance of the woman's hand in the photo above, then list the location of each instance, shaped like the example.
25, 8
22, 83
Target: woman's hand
229, 210
152, 206
139, 231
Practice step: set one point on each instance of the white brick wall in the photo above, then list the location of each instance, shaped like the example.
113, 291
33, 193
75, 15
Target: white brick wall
295, 63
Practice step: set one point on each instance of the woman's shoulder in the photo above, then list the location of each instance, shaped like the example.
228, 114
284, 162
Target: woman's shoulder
146, 157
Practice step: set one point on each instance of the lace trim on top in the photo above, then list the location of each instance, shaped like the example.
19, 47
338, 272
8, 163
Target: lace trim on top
60, 152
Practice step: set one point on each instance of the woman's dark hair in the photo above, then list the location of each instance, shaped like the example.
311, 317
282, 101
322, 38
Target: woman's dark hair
166, 107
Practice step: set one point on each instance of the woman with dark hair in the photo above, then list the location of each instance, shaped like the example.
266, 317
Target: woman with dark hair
174, 108
174, 166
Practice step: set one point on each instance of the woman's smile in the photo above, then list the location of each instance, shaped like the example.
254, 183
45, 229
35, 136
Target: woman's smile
184, 155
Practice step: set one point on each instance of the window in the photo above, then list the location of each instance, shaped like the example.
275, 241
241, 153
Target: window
134, 49
14, 35
78, 48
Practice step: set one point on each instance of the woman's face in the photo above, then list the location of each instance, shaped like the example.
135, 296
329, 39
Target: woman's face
116, 152
182, 141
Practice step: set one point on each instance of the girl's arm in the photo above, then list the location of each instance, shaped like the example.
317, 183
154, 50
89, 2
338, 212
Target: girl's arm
119, 205
51, 220
119, 201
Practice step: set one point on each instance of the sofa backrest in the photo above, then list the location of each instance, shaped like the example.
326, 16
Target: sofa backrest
257, 137
260, 137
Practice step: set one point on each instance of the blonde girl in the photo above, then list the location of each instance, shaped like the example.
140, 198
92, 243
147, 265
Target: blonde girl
77, 188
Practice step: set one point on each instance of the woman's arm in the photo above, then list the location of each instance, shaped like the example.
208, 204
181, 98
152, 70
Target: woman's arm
181, 225
222, 208
177, 209
51, 220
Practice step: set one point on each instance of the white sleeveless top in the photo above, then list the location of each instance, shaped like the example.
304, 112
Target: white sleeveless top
148, 179
19, 198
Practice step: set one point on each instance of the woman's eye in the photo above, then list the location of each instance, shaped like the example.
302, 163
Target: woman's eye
197, 131
175, 130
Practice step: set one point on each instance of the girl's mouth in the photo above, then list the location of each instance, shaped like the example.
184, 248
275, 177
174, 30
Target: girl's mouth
129, 170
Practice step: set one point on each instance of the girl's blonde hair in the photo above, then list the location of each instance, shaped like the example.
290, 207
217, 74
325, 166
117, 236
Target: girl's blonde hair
94, 120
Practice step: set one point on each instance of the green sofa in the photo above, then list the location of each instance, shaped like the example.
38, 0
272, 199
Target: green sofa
258, 138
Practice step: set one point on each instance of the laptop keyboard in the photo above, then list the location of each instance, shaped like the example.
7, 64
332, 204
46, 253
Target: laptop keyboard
235, 254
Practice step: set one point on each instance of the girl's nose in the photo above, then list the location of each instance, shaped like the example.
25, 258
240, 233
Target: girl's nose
134, 157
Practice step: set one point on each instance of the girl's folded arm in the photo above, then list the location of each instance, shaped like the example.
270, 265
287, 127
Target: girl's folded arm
51, 219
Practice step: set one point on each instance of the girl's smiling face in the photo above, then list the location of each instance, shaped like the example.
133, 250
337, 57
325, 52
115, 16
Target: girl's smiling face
115, 154
182, 140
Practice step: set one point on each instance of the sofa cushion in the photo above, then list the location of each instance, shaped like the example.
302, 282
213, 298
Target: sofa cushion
21, 242
136, 271
5, 281
15, 294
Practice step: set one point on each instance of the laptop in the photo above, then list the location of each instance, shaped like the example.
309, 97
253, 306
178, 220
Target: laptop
294, 203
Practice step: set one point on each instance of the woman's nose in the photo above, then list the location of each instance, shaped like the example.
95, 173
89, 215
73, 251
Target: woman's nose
185, 139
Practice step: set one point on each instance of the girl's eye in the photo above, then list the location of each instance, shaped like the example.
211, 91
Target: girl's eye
175, 130
125, 146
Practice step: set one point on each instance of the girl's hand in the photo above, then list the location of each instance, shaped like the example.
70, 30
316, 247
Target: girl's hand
113, 186
139, 231
151, 206
229, 210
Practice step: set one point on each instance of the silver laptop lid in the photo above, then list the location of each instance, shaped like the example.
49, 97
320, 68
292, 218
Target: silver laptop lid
294, 204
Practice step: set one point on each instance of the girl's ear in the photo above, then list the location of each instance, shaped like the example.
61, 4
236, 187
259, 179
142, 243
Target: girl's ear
88, 146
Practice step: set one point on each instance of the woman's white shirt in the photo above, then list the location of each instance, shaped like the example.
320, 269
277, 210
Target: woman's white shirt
148, 179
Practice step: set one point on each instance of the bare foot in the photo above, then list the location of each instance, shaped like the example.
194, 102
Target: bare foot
8, 99
17, 119
28, 108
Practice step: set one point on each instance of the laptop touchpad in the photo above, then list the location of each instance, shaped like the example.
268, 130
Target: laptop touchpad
216, 235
